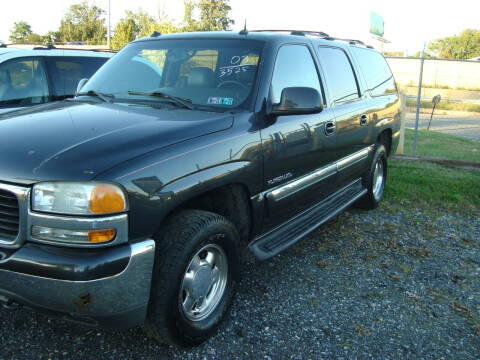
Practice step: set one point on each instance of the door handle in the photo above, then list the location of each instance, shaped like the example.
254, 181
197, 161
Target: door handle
363, 119
329, 128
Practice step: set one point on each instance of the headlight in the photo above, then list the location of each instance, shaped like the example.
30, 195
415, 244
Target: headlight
78, 198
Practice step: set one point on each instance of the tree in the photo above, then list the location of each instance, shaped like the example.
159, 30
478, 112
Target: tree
213, 15
463, 46
50, 37
394, 53
139, 24
35, 38
83, 22
20, 32
427, 55
125, 31
189, 23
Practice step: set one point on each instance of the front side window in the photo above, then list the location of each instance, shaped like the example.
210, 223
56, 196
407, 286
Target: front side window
294, 67
23, 82
341, 80
207, 73
65, 72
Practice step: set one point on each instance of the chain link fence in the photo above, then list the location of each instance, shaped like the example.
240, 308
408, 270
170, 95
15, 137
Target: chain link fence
452, 129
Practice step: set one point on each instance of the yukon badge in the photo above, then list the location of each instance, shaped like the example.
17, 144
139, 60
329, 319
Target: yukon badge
280, 178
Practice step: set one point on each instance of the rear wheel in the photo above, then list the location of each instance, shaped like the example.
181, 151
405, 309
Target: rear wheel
374, 181
196, 272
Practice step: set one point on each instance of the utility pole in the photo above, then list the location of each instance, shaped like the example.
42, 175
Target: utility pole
418, 101
108, 28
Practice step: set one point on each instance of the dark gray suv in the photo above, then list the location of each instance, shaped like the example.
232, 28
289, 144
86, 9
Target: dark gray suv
136, 201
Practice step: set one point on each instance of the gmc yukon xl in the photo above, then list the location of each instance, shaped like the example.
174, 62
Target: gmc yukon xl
136, 201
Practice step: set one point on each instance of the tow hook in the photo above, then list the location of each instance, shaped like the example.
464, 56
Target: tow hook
8, 304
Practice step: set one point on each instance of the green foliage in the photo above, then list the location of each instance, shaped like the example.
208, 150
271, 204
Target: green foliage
419, 54
213, 15
50, 37
463, 46
420, 182
189, 23
394, 53
437, 145
35, 38
20, 32
83, 22
447, 105
139, 24
125, 31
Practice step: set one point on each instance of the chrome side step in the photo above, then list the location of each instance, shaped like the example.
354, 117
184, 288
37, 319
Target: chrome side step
288, 233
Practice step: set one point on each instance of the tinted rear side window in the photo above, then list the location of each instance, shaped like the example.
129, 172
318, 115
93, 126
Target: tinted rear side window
23, 81
66, 72
341, 80
377, 73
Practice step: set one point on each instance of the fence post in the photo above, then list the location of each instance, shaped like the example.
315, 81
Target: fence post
415, 136
403, 110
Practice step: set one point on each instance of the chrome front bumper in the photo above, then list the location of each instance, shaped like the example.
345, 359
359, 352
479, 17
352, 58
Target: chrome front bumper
117, 300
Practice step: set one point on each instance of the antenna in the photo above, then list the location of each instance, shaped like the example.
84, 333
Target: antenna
244, 31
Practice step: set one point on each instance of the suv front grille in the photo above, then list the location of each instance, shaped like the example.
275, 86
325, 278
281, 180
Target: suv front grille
9, 215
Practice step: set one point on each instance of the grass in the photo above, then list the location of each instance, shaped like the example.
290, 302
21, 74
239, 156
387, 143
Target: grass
438, 145
422, 183
447, 105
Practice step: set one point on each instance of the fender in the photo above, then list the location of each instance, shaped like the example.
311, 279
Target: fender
187, 187
152, 207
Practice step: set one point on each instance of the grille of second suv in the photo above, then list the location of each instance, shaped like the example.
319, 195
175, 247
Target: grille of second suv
9, 215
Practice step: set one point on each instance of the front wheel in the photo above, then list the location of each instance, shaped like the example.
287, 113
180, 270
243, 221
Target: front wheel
374, 181
196, 272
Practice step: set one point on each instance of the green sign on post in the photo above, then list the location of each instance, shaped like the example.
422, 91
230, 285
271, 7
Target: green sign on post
376, 24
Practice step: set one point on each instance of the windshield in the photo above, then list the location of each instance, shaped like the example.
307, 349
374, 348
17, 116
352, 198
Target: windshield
211, 73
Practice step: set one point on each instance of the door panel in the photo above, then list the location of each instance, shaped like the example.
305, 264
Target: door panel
298, 164
297, 151
352, 137
350, 111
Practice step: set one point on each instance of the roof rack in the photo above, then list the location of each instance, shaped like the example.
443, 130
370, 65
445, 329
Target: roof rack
350, 41
55, 46
297, 32
320, 34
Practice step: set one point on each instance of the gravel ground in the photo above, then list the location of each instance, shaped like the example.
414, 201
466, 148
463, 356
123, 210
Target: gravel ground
389, 283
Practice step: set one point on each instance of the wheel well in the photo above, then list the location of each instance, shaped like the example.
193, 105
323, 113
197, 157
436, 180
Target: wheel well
385, 138
230, 201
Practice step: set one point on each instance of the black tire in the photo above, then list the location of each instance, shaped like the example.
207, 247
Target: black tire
374, 195
179, 242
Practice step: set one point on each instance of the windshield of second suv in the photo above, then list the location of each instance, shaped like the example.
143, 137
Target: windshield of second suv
212, 73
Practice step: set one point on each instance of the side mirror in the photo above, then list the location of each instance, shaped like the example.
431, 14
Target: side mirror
298, 100
80, 85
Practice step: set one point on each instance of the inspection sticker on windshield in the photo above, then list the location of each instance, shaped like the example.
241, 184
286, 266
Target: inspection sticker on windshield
220, 101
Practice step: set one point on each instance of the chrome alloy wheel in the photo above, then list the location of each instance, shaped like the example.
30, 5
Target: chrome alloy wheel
204, 282
378, 180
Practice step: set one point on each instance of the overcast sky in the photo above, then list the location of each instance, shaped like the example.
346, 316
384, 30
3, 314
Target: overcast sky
408, 23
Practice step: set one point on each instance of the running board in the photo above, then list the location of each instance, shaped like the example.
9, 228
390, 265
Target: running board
295, 229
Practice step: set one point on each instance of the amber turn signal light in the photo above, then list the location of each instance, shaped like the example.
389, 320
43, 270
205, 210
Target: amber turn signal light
106, 199
101, 236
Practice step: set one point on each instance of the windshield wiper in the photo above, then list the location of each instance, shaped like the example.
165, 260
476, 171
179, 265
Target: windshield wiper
182, 102
101, 96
